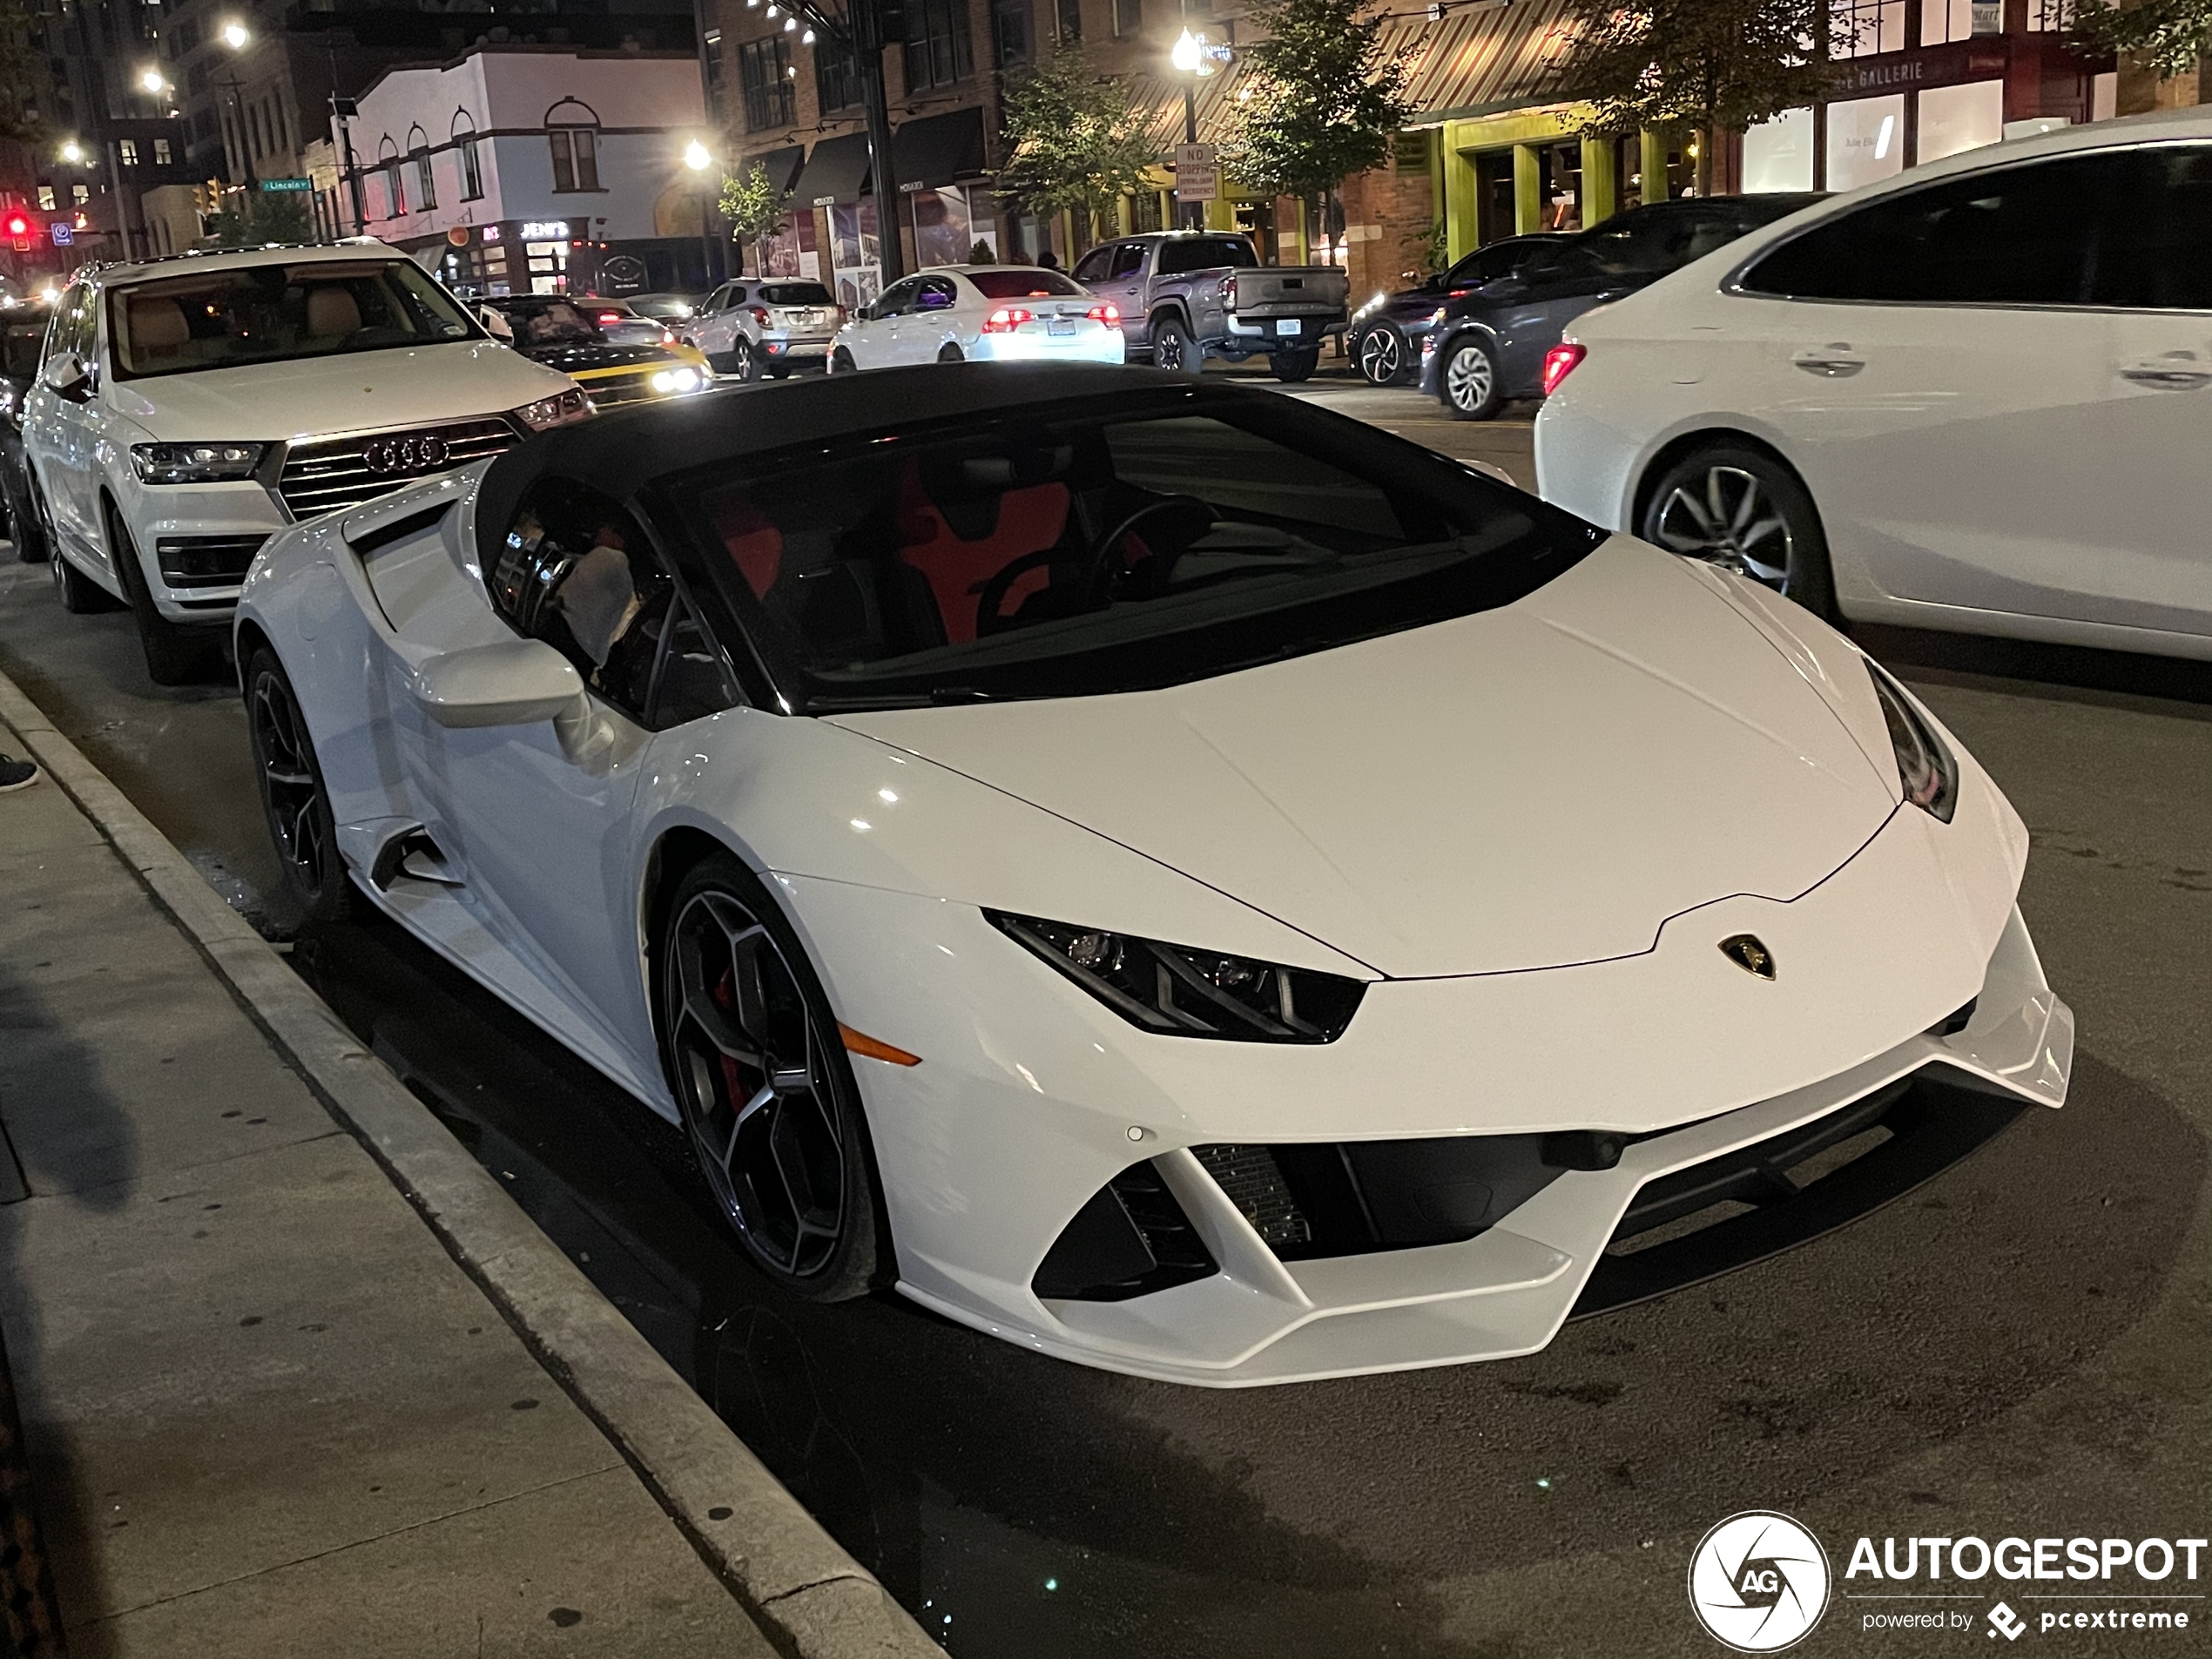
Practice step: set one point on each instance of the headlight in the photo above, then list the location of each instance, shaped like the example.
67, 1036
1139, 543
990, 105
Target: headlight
668, 381
1179, 991
557, 410
194, 463
1925, 766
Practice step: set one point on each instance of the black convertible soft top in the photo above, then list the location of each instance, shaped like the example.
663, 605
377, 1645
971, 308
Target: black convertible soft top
624, 450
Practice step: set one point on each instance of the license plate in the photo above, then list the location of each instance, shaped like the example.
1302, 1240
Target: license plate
1288, 326
1059, 327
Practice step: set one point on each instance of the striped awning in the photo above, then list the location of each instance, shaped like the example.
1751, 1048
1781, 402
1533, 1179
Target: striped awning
1473, 60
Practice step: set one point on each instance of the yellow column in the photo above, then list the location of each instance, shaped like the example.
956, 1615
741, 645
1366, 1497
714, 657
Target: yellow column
1456, 198
1655, 165
1124, 215
1601, 186
1527, 190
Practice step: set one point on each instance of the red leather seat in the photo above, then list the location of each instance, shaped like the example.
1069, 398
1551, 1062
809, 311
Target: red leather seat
1029, 519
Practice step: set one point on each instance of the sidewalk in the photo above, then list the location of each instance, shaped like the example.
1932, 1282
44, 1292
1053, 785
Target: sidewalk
277, 1344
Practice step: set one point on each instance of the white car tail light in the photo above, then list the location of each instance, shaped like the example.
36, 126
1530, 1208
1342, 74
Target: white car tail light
1006, 320
1109, 313
1559, 363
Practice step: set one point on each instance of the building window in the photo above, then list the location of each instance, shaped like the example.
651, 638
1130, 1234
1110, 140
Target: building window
1945, 20
712, 59
394, 190
1070, 16
2048, 17
79, 194
837, 78
128, 150
162, 155
1129, 18
938, 50
575, 159
1009, 32
1865, 27
764, 70
426, 187
46, 197
472, 173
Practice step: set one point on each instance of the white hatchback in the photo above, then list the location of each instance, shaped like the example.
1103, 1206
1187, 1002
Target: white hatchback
983, 313
1975, 397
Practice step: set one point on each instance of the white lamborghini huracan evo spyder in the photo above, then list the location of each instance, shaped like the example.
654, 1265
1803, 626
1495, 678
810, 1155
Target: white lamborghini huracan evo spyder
1154, 871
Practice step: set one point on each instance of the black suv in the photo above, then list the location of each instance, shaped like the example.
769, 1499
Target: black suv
1387, 331
1489, 345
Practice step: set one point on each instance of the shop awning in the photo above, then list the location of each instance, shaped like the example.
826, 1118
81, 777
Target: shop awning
782, 165
939, 149
837, 171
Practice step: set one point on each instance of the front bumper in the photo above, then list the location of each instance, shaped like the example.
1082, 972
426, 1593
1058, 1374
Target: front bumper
196, 541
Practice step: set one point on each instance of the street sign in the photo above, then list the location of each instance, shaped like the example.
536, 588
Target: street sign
60, 230
287, 184
1197, 178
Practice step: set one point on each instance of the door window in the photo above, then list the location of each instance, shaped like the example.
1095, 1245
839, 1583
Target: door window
1129, 260
576, 572
1093, 266
2025, 235
897, 298
935, 293
2156, 254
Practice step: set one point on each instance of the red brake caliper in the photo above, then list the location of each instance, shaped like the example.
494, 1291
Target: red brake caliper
726, 998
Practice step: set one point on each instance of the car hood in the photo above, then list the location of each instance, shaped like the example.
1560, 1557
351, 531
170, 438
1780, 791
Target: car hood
581, 356
1536, 785
412, 386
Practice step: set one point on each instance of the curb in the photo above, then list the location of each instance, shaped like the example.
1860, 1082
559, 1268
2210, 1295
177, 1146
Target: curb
810, 1598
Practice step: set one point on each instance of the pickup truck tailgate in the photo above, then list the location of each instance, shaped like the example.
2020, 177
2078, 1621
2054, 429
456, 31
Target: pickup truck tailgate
1287, 291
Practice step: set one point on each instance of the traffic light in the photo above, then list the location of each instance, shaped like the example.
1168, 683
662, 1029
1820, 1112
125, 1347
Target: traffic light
19, 227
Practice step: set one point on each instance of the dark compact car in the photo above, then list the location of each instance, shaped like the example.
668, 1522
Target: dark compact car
1387, 331
23, 335
1490, 344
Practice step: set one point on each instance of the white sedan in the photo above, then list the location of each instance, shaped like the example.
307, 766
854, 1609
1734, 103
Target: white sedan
1976, 397
1153, 871
995, 313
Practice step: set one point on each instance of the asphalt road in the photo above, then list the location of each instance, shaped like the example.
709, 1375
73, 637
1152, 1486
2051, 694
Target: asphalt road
2023, 1346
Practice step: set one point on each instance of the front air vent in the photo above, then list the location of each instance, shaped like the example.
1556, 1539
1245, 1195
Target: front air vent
1130, 1239
205, 561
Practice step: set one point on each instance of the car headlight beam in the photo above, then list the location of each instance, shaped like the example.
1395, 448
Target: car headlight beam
1176, 991
195, 463
556, 410
1927, 770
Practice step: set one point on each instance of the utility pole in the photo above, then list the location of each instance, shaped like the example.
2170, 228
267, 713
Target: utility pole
861, 31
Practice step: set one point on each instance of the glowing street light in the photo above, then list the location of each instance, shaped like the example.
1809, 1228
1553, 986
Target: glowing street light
235, 36
152, 81
1188, 53
72, 152
697, 157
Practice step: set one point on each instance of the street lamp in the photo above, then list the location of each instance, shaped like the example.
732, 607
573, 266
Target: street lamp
235, 36
153, 81
1191, 60
72, 153
698, 159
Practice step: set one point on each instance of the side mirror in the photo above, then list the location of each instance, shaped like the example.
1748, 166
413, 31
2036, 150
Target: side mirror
67, 378
1434, 285
517, 682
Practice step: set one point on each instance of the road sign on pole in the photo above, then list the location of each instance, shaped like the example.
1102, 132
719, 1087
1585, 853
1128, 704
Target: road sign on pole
1196, 177
287, 184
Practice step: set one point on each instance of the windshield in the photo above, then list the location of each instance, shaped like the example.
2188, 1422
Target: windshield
795, 294
270, 314
25, 340
557, 323
1182, 253
1021, 284
1067, 549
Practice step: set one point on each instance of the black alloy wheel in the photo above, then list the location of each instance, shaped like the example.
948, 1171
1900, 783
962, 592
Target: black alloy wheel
1467, 382
745, 362
758, 1065
1381, 355
175, 655
23, 527
1174, 350
293, 799
1742, 510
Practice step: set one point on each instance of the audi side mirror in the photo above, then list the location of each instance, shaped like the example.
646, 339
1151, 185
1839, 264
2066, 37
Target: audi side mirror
67, 378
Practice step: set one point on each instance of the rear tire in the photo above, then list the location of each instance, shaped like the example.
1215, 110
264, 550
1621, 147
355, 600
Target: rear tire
1291, 366
1174, 350
23, 527
295, 803
1466, 381
841, 361
80, 593
1743, 509
951, 353
745, 362
756, 1063
175, 655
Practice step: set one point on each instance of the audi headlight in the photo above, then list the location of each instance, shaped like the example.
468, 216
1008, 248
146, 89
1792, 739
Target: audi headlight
194, 463
1179, 991
557, 410
670, 382
1925, 766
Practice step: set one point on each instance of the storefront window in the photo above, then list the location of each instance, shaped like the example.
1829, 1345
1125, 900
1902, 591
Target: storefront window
1865, 141
1953, 118
1628, 168
1945, 20
1863, 28
1777, 154
1562, 187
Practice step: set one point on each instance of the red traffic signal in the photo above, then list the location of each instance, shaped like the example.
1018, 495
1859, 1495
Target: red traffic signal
19, 224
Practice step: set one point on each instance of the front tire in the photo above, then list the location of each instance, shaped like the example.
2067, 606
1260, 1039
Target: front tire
1174, 350
1468, 381
1381, 355
1743, 508
841, 361
950, 352
174, 656
294, 803
758, 1065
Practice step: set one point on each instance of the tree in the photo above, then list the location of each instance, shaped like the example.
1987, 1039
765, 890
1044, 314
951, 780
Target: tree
755, 205
1325, 99
1712, 65
254, 217
1075, 139
2166, 37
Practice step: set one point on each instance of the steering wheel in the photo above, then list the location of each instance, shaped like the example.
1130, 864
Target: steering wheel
987, 619
1103, 549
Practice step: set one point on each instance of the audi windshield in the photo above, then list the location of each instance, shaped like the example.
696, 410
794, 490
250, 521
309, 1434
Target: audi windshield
276, 312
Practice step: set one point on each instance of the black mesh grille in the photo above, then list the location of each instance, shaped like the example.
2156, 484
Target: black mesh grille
1249, 1175
205, 561
330, 475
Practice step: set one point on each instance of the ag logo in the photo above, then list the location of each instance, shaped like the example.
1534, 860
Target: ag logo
1759, 1582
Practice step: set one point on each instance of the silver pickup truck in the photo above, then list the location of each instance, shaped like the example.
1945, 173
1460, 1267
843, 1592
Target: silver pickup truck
1188, 295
